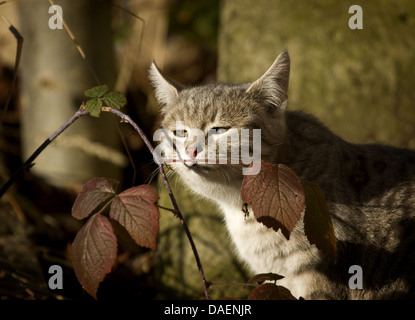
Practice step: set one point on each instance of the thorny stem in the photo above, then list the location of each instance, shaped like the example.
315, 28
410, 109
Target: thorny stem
19, 39
125, 118
167, 209
29, 162
215, 283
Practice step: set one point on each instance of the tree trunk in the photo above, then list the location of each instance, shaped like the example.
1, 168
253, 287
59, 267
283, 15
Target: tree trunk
53, 79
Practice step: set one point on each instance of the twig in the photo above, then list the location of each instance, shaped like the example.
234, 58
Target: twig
224, 283
29, 162
124, 118
19, 39
78, 46
167, 209
127, 119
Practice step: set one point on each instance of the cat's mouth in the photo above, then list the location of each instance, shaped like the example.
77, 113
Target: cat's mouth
197, 167
210, 170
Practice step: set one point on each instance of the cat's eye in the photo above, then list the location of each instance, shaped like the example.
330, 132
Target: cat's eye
220, 130
180, 133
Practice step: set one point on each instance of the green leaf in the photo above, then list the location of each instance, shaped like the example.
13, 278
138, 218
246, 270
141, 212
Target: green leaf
317, 221
96, 92
93, 106
276, 195
115, 100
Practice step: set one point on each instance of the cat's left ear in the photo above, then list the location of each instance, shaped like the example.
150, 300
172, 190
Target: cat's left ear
166, 89
272, 86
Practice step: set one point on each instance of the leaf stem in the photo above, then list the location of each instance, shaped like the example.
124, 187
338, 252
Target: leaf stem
178, 214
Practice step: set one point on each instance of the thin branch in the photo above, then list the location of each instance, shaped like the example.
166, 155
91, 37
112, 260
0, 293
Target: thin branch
19, 39
78, 46
167, 209
29, 162
125, 118
130, 157
231, 283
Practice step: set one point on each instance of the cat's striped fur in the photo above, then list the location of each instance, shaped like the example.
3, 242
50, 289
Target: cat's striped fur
370, 189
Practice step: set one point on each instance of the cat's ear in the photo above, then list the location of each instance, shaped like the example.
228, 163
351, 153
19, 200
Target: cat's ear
272, 86
166, 89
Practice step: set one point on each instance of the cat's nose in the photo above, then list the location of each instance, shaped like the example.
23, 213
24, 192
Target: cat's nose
191, 152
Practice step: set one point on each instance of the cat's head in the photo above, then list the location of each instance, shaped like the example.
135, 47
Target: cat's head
246, 117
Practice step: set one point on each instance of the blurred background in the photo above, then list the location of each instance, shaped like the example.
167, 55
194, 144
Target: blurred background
359, 82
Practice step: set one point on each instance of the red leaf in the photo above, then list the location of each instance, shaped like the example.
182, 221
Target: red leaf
93, 193
134, 209
93, 253
276, 195
270, 291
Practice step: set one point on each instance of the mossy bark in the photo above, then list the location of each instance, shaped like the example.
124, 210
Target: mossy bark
360, 83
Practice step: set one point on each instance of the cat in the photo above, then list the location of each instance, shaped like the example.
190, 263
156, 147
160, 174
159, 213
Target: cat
369, 189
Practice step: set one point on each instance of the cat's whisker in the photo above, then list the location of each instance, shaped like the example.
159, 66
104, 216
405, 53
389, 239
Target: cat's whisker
152, 175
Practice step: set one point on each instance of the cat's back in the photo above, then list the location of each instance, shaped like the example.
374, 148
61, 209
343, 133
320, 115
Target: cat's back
360, 172
370, 192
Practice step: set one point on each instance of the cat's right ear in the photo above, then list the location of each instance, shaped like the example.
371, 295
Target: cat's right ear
272, 86
166, 90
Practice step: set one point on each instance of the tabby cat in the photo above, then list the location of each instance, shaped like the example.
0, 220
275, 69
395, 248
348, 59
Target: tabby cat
369, 189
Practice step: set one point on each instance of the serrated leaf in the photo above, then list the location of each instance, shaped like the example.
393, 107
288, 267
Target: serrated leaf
270, 291
93, 106
115, 100
96, 92
95, 192
276, 195
262, 277
317, 221
93, 252
134, 209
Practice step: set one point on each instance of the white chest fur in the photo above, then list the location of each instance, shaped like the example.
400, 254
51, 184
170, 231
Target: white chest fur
261, 248
265, 250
